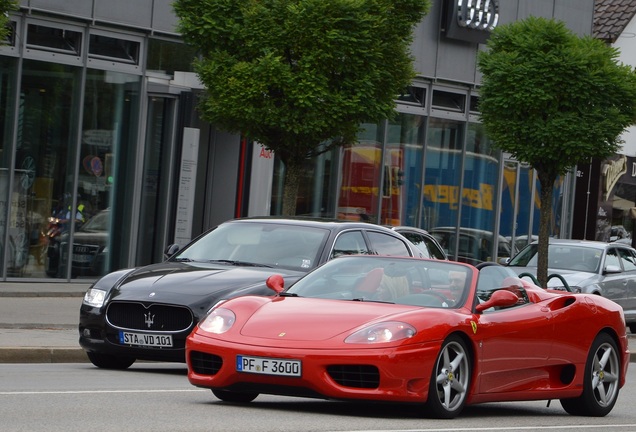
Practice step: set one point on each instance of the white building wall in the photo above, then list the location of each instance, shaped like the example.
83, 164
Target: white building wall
626, 44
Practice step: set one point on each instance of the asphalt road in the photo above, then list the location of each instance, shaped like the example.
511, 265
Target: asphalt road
157, 397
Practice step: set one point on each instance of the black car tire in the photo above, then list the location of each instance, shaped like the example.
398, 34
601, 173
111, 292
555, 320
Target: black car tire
602, 371
107, 361
450, 380
230, 396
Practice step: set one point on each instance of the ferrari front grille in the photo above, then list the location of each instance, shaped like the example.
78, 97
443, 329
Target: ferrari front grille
149, 317
205, 364
357, 376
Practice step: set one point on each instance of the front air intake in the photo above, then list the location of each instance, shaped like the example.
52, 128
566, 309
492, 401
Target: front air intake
356, 376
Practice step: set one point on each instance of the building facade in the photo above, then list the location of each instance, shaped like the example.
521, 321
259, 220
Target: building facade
606, 189
100, 131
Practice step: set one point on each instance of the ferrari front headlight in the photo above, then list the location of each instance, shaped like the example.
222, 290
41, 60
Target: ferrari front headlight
218, 321
390, 331
95, 297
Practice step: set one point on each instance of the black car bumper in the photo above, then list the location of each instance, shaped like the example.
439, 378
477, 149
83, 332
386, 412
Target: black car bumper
97, 335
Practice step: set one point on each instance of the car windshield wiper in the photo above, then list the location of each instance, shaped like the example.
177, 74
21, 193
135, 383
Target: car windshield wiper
287, 294
240, 263
362, 299
183, 259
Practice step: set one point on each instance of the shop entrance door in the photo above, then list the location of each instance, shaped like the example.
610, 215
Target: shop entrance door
155, 205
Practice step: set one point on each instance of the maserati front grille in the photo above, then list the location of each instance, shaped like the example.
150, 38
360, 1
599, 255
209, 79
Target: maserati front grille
149, 317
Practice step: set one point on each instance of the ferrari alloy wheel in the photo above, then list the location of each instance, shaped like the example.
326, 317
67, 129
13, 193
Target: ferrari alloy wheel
450, 380
600, 382
230, 396
107, 361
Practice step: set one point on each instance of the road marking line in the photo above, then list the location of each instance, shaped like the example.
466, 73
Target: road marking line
96, 391
508, 428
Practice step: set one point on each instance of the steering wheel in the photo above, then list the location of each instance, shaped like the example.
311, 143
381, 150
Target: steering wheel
439, 296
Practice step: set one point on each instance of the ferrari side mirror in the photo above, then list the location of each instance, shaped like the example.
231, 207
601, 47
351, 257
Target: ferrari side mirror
500, 298
276, 283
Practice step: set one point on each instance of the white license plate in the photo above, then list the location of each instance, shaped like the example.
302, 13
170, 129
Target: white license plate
77, 258
268, 366
143, 339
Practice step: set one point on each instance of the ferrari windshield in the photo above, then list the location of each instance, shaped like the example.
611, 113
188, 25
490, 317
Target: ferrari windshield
388, 279
562, 256
259, 244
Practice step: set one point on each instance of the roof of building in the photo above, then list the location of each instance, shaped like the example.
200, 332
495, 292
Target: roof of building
611, 17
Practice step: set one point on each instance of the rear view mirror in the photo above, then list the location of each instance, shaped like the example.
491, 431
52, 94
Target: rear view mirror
171, 250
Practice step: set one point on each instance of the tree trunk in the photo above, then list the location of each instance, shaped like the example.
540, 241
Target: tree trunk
546, 181
293, 171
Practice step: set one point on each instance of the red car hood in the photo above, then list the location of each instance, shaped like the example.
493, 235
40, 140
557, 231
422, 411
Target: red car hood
302, 319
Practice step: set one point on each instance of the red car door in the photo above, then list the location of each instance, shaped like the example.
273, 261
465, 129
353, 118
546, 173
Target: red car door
513, 346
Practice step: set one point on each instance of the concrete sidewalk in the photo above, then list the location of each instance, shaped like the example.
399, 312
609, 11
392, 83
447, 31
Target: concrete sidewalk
38, 323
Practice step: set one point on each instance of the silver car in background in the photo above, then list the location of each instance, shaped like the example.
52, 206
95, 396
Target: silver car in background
606, 269
424, 241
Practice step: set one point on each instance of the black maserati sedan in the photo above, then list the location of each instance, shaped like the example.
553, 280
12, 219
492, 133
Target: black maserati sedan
146, 313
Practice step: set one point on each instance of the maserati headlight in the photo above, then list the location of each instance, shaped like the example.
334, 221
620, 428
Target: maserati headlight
218, 321
390, 331
95, 297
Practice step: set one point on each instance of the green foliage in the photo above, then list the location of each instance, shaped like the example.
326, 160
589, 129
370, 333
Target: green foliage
551, 98
293, 74
6, 6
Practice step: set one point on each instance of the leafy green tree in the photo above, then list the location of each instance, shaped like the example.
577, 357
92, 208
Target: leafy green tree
6, 6
300, 76
553, 99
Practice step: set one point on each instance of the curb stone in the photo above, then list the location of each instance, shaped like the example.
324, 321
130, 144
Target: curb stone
42, 355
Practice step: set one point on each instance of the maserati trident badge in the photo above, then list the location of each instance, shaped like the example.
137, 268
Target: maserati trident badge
149, 319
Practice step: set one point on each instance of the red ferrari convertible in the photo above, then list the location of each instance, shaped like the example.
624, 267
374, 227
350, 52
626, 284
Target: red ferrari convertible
436, 333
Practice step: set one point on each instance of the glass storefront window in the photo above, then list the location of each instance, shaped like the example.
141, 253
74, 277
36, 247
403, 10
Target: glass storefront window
481, 173
443, 170
481, 170
519, 205
316, 188
361, 166
45, 163
16, 258
557, 205
106, 172
510, 225
156, 178
403, 171
443, 164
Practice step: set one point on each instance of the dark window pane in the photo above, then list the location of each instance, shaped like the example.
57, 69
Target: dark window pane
123, 50
166, 56
54, 39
